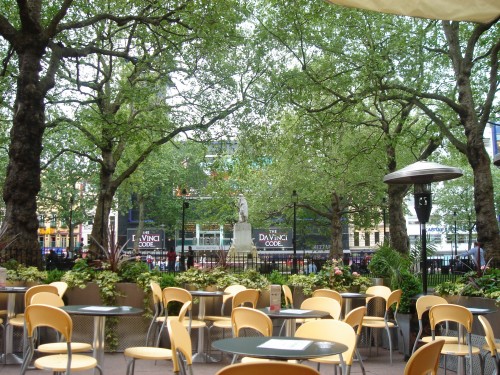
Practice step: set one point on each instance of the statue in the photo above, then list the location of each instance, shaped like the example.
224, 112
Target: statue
243, 209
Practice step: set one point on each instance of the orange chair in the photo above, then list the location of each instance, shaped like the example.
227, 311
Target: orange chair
267, 368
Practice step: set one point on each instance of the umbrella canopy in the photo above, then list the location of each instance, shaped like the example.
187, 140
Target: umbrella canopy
482, 11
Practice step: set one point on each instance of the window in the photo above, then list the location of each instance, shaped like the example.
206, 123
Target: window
377, 237
53, 220
367, 238
356, 238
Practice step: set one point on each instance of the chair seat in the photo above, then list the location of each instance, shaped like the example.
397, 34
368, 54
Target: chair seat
459, 349
58, 362
447, 339
225, 324
372, 318
195, 323
148, 352
216, 317
377, 324
330, 359
61, 347
17, 321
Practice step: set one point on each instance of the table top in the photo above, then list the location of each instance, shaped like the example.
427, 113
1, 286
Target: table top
481, 310
295, 313
278, 347
101, 310
355, 295
207, 293
14, 289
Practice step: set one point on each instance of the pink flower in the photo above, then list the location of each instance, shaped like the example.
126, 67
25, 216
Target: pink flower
338, 272
336, 269
355, 274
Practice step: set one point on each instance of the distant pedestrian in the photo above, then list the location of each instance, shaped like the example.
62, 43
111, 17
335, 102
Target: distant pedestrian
477, 254
171, 257
190, 258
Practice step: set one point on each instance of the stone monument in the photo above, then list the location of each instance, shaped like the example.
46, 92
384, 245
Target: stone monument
242, 234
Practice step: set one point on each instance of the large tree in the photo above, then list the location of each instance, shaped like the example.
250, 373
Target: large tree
42, 39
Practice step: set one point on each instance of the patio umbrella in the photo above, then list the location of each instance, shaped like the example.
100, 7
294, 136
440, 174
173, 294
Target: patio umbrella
482, 11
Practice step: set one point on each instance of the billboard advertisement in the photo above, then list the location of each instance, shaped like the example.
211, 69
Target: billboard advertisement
152, 238
272, 238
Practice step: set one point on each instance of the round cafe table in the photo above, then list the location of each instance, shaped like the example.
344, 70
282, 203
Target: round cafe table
279, 347
100, 313
291, 315
200, 355
348, 297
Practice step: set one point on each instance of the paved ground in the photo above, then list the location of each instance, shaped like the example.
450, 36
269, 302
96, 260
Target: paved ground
115, 364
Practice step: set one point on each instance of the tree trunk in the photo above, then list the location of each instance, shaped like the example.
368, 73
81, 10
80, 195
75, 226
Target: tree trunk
22, 182
336, 226
140, 226
397, 221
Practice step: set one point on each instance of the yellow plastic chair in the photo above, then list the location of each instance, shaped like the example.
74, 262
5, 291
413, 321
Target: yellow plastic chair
492, 347
267, 368
328, 330
425, 360
355, 319
231, 290
327, 304
19, 321
385, 322
181, 347
328, 293
462, 316
153, 353
54, 300
173, 294
288, 296
247, 318
61, 287
241, 298
49, 316
424, 303
158, 314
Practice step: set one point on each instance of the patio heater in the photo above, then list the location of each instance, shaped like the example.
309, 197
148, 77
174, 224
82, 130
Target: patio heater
421, 174
182, 264
295, 199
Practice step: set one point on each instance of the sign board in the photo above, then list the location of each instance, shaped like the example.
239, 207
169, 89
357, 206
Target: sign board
272, 238
275, 298
152, 238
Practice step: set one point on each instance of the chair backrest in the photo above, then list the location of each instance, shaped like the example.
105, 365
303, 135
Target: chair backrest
323, 304
173, 294
37, 289
355, 318
424, 303
156, 292
267, 368
186, 306
394, 299
242, 297
180, 342
244, 317
328, 293
231, 290
488, 335
47, 298
287, 293
451, 313
378, 291
330, 329
425, 360
48, 316
61, 287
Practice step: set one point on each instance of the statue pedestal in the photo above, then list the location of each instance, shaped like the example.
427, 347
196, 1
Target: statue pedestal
242, 241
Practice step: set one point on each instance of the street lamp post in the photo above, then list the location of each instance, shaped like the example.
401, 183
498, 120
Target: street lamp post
384, 201
456, 246
182, 265
295, 199
421, 174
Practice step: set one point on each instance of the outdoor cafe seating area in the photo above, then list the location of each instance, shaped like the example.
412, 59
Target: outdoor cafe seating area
327, 333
